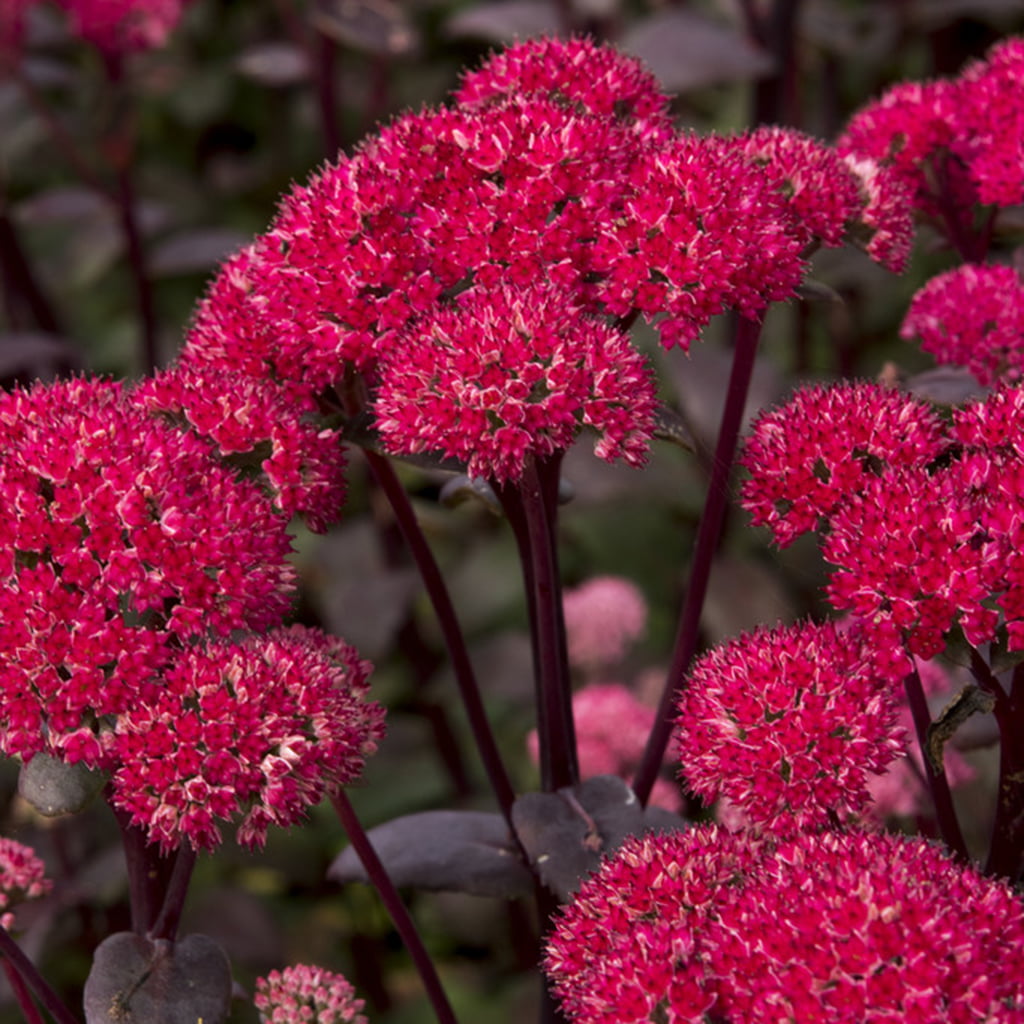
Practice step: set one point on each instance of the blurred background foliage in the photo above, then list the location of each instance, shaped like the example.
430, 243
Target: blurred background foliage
250, 96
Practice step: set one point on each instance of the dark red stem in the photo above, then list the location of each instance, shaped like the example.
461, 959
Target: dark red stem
400, 916
708, 534
16, 961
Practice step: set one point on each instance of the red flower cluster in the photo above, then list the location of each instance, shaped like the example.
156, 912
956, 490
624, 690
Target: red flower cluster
953, 141
506, 374
972, 316
246, 416
786, 724
262, 728
808, 456
853, 928
301, 994
924, 531
124, 538
22, 877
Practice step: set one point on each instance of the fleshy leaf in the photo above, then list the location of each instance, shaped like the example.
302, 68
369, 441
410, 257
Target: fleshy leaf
54, 787
135, 980
444, 851
565, 834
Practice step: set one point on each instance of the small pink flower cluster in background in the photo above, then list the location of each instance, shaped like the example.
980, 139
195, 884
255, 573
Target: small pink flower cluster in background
958, 140
22, 877
972, 316
131, 553
923, 535
834, 928
302, 994
786, 725
554, 182
604, 617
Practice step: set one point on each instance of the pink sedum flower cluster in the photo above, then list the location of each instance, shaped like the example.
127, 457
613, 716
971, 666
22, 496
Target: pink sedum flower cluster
834, 928
928, 539
956, 141
509, 374
787, 723
555, 177
124, 539
302, 994
807, 456
604, 617
124, 26
242, 415
22, 877
260, 729
972, 316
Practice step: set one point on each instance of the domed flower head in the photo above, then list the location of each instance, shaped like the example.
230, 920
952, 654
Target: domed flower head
22, 877
912, 558
504, 375
833, 928
868, 927
811, 454
124, 538
579, 73
121, 26
302, 993
823, 194
702, 229
240, 415
603, 617
629, 947
786, 723
260, 729
972, 316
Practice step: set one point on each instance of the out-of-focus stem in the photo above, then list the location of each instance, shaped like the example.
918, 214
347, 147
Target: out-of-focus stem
938, 785
26, 970
18, 279
22, 995
708, 534
454, 640
396, 908
531, 508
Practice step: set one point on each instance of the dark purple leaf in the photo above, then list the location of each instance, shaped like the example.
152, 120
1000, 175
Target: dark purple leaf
565, 834
274, 65
135, 980
687, 51
374, 26
504, 21
444, 851
946, 385
29, 355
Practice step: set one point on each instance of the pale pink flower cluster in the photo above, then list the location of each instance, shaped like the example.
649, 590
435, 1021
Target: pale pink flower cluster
612, 727
827, 927
22, 877
604, 617
972, 316
302, 994
786, 724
